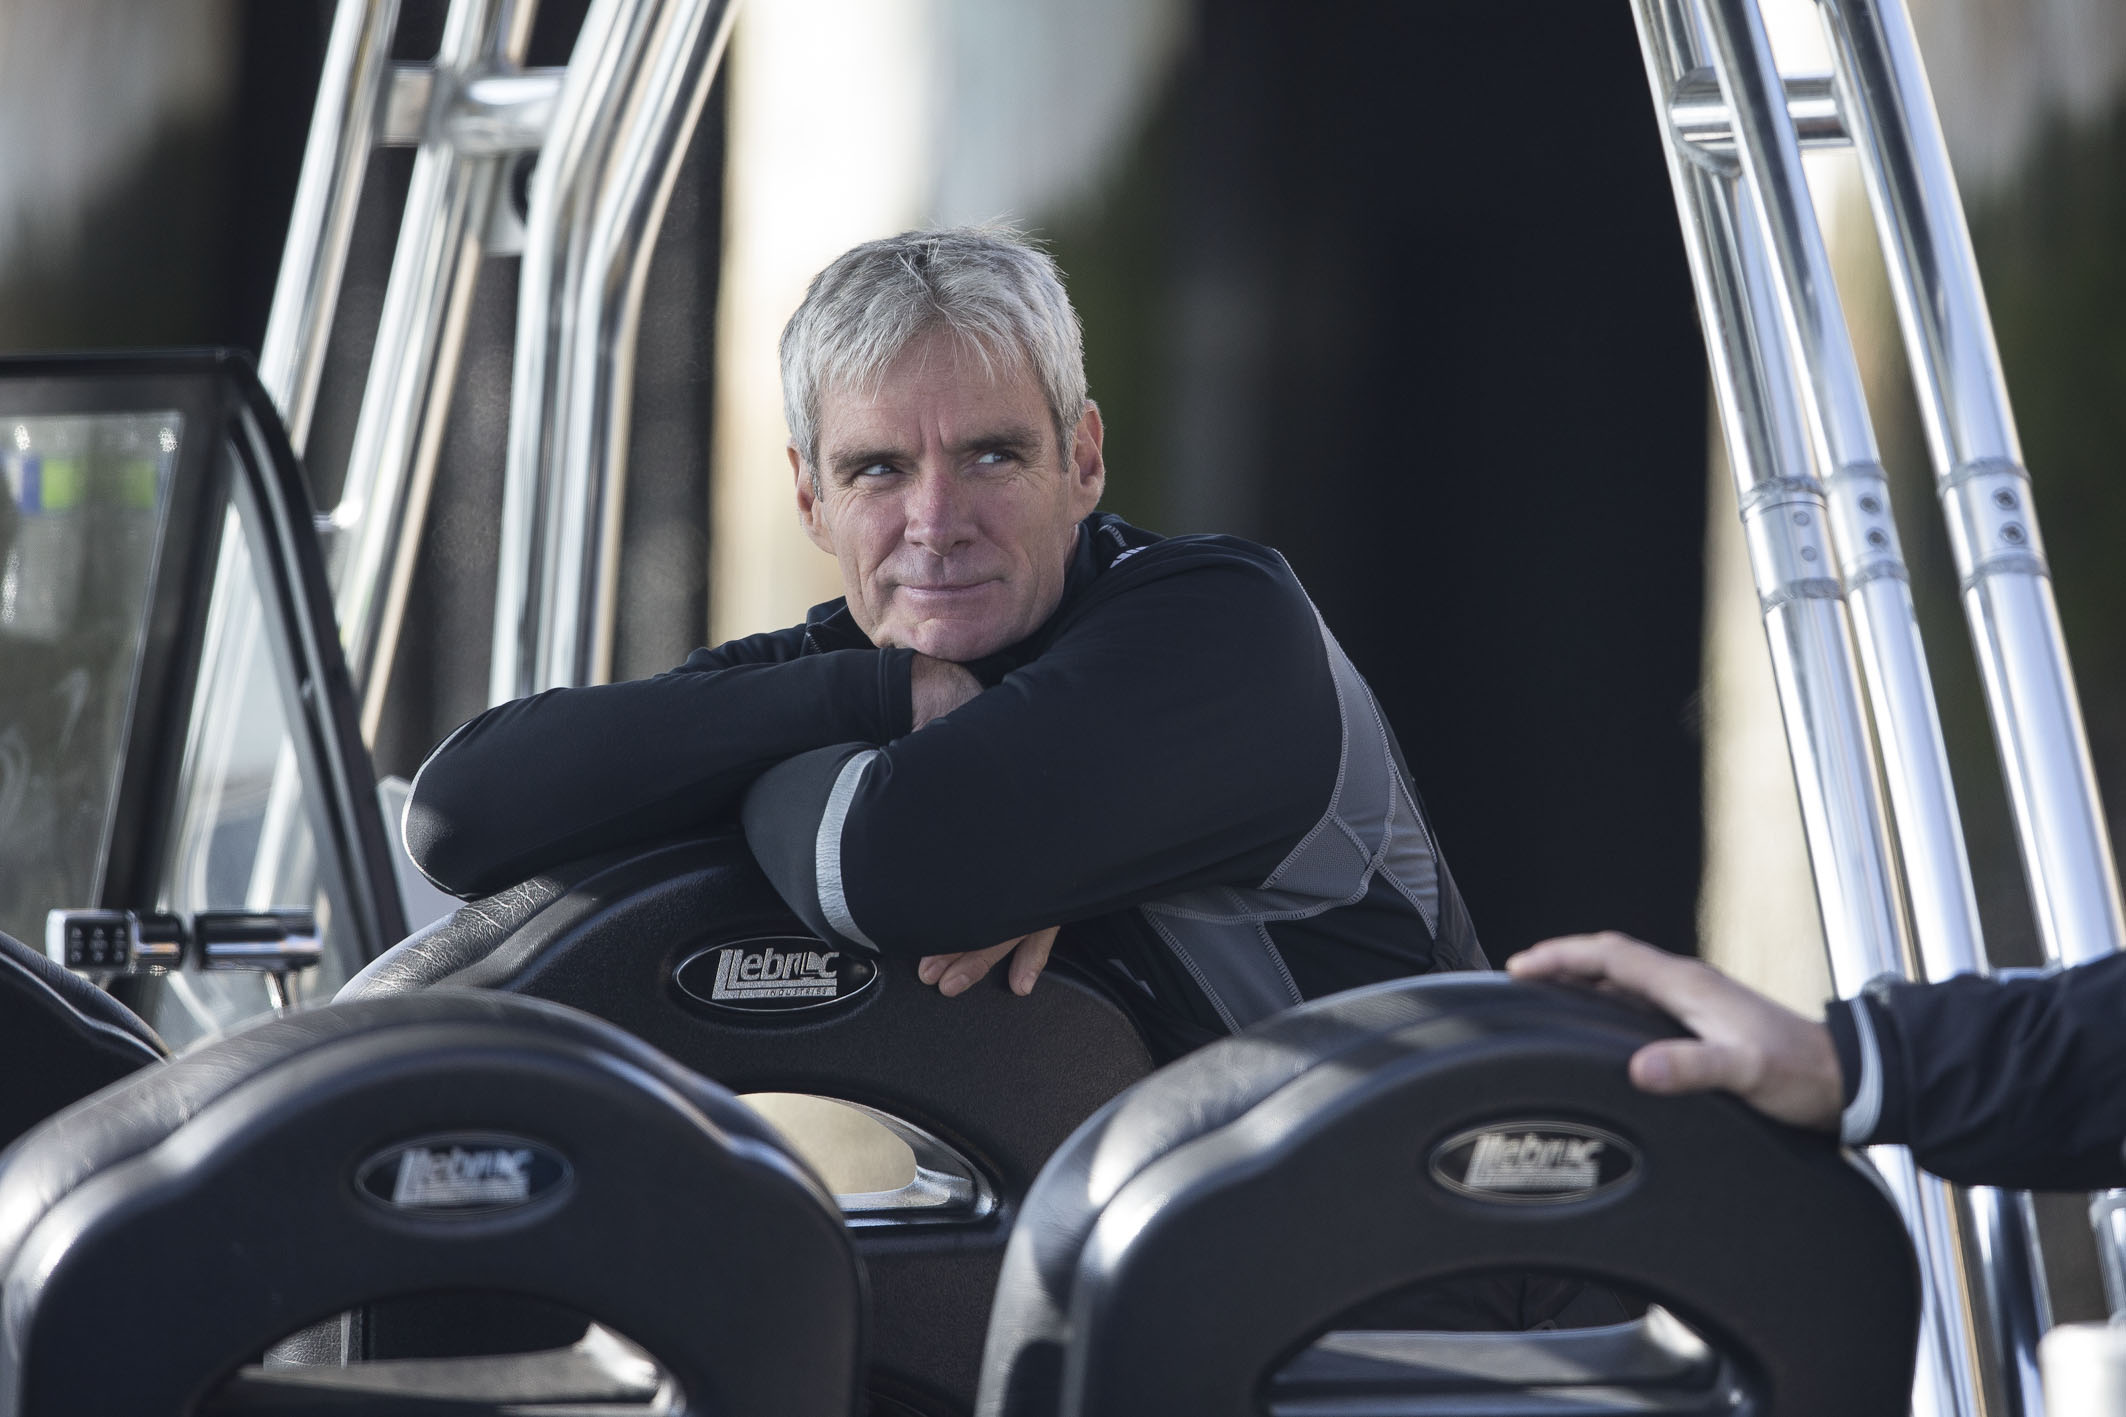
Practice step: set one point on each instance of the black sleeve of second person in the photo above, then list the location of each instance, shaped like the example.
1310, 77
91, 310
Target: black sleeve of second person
2016, 1083
561, 775
1183, 732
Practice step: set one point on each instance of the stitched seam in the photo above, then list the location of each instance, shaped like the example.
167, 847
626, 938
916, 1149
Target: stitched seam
1277, 958
1173, 943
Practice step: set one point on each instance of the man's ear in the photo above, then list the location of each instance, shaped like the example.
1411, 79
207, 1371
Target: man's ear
1087, 470
811, 507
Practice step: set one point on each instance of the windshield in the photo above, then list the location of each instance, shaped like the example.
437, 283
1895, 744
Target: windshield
85, 499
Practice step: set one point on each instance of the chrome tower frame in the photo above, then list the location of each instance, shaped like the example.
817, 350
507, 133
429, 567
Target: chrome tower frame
613, 127
1861, 721
1879, 809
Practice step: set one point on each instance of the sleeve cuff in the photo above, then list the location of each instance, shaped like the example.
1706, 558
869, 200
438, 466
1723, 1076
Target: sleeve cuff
896, 693
1860, 1065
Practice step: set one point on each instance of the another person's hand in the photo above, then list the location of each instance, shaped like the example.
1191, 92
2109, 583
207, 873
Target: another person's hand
937, 687
955, 974
1782, 1064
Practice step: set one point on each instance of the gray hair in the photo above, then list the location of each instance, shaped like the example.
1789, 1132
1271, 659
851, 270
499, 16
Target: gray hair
997, 291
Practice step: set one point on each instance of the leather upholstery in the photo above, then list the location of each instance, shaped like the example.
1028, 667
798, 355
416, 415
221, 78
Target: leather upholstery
1226, 1211
686, 1224
1003, 1079
61, 1038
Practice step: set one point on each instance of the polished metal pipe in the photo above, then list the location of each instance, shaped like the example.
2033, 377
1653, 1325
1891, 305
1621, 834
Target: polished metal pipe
1697, 112
384, 500
292, 357
628, 107
1985, 491
1900, 690
373, 534
1782, 424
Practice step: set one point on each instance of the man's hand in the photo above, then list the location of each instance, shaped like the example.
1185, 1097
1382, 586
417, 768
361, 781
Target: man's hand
1771, 1057
937, 687
956, 974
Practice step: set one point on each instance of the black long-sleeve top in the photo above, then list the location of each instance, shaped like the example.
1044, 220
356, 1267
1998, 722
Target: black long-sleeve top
2006, 1082
1180, 766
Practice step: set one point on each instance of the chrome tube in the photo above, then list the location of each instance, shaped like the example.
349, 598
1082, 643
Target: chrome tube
373, 534
336, 157
1985, 491
628, 107
1697, 112
1900, 690
1780, 427
384, 500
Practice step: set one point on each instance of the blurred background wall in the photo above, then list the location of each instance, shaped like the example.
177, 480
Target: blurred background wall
1395, 288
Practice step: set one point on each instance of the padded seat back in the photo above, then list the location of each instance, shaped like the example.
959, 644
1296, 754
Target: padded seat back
1001, 1079
1218, 1218
61, 1038
158, 1236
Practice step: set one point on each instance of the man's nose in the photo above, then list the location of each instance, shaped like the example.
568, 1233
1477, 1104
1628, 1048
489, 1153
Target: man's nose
940, 511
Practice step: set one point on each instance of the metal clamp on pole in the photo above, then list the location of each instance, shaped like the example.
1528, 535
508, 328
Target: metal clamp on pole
276, 943
109, 942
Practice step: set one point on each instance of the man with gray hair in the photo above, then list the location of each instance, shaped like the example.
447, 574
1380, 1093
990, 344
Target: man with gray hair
1024, 714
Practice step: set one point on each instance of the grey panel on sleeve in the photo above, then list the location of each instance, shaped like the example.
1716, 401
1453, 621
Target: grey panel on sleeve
1371, 827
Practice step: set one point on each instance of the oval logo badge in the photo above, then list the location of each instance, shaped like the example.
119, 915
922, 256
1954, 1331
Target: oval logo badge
1523, 1163
465, 1173
775, 975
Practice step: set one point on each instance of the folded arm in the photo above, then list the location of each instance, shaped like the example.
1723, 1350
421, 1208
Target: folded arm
1179, 734
570, 772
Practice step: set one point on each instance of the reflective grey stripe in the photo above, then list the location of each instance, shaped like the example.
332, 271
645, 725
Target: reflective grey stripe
1371, 827
1865, 1111
827, 850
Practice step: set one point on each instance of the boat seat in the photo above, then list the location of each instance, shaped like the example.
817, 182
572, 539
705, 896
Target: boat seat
61, 1038
1196, 1246
157, 1238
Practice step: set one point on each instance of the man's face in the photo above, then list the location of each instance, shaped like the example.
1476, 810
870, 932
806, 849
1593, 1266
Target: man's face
945, 498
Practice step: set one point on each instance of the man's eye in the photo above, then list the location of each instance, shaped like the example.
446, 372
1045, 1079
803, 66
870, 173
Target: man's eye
995, 457
877, 469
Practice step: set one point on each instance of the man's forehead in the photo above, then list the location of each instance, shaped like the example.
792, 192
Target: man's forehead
936, 380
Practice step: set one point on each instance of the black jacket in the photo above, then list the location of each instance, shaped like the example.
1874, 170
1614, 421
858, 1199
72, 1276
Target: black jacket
2018, 1083
1180, 766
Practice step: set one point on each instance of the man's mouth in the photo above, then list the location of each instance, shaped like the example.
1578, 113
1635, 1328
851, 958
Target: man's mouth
943, 592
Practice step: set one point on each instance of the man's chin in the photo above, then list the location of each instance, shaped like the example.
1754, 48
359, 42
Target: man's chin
957, 642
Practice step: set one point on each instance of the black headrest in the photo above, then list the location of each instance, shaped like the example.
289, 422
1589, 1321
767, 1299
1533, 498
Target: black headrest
443, 1141
61, 1038
1220, 1215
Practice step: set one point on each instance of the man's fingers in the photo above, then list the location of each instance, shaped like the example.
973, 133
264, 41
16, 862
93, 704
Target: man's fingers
1030, 959
1680, 1065
967, 970
1682, 987
957, 973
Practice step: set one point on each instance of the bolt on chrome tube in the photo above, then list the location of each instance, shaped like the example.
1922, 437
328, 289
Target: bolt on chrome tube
1781, 425
321, 226
1985, 490
627, 109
